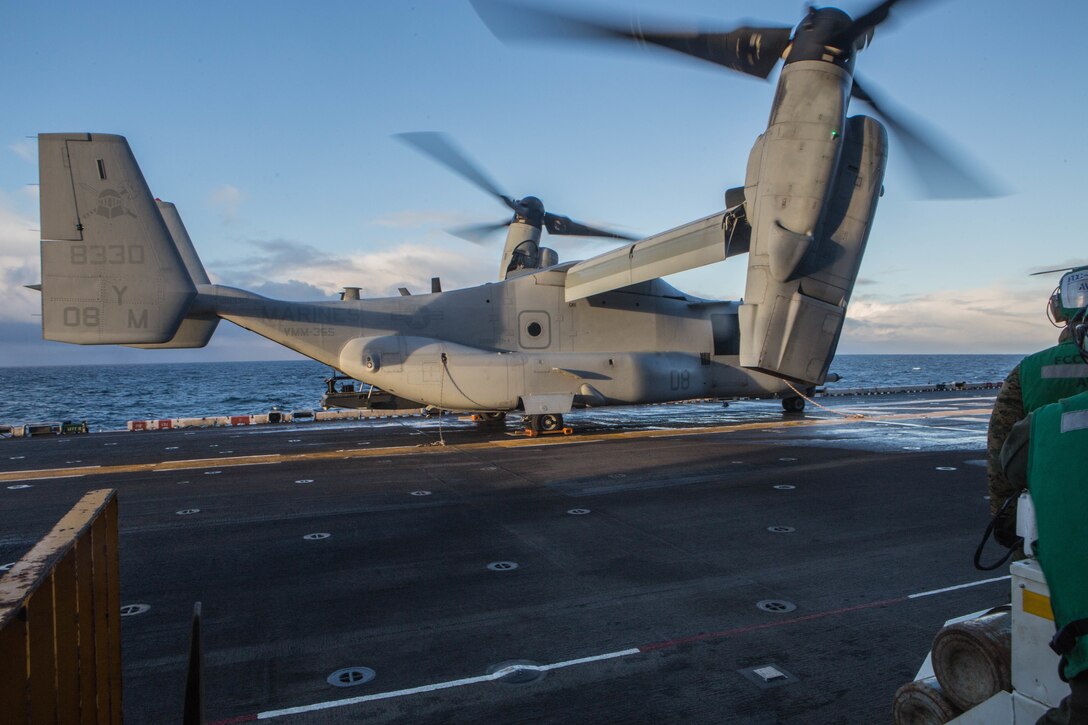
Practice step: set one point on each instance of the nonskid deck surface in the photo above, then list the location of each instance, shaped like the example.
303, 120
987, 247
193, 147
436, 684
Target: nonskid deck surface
643, 546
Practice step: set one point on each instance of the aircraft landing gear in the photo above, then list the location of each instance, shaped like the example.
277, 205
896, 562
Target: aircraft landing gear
793, 404
545, 424
492, 419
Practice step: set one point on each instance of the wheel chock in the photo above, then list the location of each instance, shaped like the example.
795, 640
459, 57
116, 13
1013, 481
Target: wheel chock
530, 433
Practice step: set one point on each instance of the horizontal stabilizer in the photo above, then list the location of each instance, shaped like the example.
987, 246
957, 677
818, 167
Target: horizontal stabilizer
194, 331
705, 241
110, 271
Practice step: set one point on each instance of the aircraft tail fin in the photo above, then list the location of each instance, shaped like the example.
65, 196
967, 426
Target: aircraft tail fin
183, 242
196, 329
111, 271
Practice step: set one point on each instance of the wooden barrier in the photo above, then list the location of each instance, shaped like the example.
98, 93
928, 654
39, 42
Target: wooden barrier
60, 627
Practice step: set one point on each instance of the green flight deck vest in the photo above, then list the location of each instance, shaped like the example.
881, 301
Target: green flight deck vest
1058, 481
1051, 375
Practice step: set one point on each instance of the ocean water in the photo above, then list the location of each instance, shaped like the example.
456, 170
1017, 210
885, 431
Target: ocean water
107, 396
875, 371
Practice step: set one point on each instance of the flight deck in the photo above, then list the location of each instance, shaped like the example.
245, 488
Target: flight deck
687, 562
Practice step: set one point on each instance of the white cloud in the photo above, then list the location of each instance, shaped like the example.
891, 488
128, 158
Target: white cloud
993, 319
227, 199
413, 265
292, 289
291, 267
26, 149
18, 263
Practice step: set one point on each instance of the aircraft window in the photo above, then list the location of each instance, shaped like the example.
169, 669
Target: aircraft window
534, 329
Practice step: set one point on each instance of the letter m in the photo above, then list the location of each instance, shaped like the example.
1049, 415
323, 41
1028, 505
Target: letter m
134, 321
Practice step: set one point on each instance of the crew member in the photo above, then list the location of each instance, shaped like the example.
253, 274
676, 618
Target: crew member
1049, 452
1045, 377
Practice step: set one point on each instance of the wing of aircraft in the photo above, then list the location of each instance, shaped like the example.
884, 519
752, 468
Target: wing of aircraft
695, 244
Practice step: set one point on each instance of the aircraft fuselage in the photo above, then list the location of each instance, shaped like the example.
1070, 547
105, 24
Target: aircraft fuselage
515, 344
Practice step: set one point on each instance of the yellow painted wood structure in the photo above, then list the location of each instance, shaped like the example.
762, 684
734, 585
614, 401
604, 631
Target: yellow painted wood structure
60, 622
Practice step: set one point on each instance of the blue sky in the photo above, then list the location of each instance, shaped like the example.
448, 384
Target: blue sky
269, 124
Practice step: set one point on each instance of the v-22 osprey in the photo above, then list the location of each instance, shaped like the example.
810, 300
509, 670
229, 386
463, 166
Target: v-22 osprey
119, 268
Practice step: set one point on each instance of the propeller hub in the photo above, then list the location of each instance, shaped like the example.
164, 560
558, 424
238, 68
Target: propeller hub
529, 210
825, 34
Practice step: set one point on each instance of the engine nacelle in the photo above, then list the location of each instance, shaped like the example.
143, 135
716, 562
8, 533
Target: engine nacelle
792, 167
522, 250
800, 277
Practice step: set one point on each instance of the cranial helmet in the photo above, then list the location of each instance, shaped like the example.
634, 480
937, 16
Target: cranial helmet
1072, 293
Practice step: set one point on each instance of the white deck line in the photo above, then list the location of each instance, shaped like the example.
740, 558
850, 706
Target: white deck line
497, 675
958, 586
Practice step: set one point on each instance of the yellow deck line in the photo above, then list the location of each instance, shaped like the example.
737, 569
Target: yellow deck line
267, 459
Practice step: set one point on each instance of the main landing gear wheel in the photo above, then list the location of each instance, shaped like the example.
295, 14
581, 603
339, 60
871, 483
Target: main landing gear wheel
547, 423
494, 418
551, 422
793, 404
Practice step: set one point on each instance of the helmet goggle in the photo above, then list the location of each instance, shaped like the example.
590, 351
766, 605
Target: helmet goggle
1073, 291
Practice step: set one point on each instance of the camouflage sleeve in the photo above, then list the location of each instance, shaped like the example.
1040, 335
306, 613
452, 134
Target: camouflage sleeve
1008, 409
1014, 454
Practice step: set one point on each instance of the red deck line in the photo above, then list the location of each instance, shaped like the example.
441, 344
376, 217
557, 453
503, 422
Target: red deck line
769, 625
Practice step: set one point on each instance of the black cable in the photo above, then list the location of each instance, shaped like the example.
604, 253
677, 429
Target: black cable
989, 532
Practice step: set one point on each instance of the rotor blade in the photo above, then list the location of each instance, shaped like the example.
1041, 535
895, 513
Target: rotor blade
754, 51
748, 49
942, 174
876, 15
556, 224
477, 233
867, 21
442, 149
1033, 274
